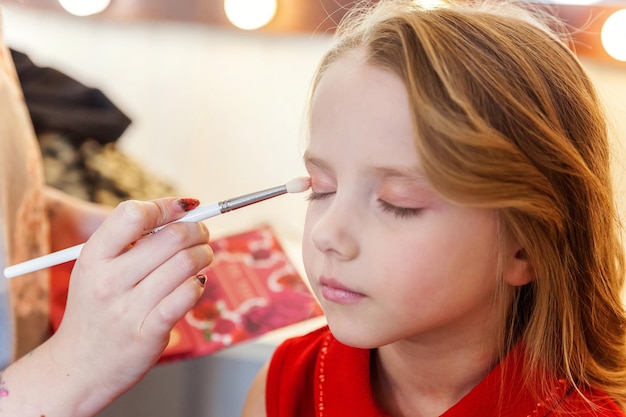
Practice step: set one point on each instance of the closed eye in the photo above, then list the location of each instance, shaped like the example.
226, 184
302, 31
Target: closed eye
400, 212
313, 196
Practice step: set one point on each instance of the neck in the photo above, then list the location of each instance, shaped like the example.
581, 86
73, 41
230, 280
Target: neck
409, 379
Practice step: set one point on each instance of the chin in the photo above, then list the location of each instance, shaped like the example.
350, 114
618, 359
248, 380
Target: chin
351, 334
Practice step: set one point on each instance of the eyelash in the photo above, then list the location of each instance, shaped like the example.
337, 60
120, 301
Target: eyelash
400, 212
313, 196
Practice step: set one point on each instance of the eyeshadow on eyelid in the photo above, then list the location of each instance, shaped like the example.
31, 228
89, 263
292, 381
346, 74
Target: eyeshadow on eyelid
410, 195
320, 181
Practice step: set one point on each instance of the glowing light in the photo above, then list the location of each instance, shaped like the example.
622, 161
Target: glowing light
84, 7
250, 14
432, 4
613, 35
575, 2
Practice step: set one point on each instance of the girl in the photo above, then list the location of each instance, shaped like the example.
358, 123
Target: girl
461, 236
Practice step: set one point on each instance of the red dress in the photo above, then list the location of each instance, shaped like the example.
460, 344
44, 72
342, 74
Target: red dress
317, 376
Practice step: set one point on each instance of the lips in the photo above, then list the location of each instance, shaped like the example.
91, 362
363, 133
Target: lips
333, 290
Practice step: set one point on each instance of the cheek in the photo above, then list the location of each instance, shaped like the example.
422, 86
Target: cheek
433, 278
307, 244
413, 263
467, 256
440, 259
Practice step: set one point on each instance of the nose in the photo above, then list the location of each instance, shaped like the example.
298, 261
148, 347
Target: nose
333, 227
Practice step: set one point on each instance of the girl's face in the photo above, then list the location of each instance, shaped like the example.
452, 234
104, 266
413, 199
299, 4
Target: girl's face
388, 258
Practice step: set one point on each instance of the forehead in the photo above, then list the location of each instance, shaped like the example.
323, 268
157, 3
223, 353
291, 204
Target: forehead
353, 77
363, 110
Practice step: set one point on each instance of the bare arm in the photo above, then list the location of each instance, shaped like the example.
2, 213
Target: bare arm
72, 220
37, 385
255, 402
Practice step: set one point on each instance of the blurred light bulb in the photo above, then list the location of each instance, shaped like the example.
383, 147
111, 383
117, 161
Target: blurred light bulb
613, 35
250, 14
575, 2
84, 7
432, 4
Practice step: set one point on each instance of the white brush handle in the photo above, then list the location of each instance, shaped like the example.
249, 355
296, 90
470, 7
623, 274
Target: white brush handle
70, 254
195, 215
42, 262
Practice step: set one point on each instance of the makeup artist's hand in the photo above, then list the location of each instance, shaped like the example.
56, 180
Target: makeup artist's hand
72, 220
125, 296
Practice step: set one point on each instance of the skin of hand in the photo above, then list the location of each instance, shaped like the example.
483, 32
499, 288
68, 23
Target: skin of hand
72, 220
124, 298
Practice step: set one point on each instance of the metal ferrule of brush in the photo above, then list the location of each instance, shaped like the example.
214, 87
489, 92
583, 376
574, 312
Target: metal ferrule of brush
246, 200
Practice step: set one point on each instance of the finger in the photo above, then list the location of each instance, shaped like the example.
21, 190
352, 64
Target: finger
129, 221
165, 247
164, 280
173, 308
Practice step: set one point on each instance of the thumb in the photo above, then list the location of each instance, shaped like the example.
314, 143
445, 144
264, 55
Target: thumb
133, 219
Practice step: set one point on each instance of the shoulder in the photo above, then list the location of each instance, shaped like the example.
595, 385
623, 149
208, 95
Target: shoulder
255, 401
291, 359
285, 373
297, 356
290, 383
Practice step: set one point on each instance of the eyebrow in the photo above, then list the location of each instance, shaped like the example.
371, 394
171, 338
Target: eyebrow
413, 173
312, 161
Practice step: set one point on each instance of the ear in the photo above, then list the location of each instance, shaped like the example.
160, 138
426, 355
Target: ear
518, 270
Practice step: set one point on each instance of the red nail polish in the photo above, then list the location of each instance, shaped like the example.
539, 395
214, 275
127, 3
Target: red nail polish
188, 204
201, 279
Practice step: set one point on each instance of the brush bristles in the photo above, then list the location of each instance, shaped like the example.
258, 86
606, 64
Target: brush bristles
298, 185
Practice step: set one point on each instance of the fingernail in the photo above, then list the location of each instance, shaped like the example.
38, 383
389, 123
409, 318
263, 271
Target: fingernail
201, 280
188, 204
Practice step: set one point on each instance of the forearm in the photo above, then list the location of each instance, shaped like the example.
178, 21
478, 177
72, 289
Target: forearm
71, 219
40, 385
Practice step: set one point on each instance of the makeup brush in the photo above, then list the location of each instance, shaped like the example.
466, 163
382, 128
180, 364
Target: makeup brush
296, 185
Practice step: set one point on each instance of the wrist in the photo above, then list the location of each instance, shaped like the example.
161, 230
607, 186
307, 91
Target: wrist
86, 392
37, 369
66, 393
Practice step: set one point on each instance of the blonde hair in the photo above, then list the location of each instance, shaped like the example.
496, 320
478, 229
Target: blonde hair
505, 117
